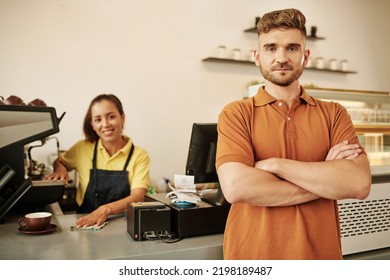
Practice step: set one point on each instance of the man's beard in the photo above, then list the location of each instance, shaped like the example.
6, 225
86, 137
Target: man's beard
281, 80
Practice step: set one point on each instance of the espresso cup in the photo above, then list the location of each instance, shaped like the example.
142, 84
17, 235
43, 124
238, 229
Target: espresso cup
36, 221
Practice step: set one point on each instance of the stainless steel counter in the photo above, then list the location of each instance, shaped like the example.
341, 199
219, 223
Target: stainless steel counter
111, 242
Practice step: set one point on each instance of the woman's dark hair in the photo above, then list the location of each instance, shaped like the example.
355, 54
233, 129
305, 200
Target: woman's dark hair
90, 134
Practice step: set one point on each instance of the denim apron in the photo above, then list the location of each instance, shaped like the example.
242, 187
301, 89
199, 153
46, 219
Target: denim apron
105, 186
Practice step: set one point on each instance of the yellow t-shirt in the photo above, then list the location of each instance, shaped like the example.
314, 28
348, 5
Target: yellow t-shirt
79, 157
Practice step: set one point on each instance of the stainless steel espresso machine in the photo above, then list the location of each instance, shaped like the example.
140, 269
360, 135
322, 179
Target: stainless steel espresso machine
21, 186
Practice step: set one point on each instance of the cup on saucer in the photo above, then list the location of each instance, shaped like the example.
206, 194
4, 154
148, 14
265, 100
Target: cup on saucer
36, 221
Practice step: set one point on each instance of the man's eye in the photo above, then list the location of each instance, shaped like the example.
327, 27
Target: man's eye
271, 49
292, 49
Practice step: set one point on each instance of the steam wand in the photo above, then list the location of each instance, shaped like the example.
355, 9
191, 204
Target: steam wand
36, 170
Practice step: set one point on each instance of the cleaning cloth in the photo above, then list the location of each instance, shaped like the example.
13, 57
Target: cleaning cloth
90, 228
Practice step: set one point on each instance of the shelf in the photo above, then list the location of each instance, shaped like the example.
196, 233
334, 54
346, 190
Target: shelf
228, 60
362, 128
374, 97
251, 30
254, 30
248, 62
333, 71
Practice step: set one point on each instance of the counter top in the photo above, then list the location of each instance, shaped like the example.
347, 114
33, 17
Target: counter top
111, 242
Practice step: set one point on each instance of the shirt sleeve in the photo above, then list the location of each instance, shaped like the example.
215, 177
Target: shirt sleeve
343, 128
140, 177
234, 135
70, 157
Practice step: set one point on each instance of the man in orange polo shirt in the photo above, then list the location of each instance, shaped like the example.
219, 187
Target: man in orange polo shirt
285, 158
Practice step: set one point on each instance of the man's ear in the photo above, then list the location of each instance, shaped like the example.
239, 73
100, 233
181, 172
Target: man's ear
306, 56
256, 54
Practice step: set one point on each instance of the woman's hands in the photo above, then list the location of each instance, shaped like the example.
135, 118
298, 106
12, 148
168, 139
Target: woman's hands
97, 217
60, 172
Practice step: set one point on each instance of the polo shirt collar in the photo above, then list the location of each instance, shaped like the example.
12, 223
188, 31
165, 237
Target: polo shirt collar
125, 150
306, 97
263, 98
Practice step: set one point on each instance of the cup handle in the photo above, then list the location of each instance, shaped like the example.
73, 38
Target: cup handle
22, 222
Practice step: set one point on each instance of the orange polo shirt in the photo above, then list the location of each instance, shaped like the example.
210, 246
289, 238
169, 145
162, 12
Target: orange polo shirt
262, 127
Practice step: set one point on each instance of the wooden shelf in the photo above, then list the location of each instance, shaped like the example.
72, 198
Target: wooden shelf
228, 60
254, 30
333, 71
362, 128
373, 97
248, 62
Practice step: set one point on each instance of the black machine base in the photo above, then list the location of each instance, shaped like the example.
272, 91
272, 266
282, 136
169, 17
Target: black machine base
201, 219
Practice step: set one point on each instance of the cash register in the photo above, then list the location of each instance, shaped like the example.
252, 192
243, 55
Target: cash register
20, 188
210, 214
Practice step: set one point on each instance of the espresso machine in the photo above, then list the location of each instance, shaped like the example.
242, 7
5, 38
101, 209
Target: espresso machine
21, 178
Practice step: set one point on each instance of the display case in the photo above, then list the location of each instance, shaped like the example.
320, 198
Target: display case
370, 113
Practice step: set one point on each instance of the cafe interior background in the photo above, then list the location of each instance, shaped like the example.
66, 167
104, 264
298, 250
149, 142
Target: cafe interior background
151, 55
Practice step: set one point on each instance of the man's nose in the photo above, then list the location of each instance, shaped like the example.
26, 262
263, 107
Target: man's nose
281, 56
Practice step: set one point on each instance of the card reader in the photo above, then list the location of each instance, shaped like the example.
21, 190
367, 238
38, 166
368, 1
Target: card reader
148, 220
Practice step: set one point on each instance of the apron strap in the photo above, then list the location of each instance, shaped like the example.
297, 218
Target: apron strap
129, 156
94, 156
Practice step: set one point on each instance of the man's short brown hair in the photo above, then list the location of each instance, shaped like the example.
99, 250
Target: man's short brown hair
282, 19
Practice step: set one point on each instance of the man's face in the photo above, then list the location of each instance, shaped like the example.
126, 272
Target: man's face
281, 56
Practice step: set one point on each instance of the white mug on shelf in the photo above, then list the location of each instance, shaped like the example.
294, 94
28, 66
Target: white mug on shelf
333, 64
344, 65
221, 52
320, 64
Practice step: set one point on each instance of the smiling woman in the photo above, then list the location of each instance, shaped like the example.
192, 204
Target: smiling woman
112, 170
107, 123
105, 120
